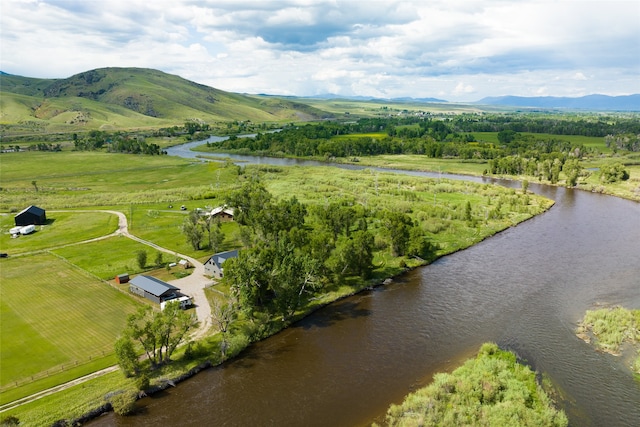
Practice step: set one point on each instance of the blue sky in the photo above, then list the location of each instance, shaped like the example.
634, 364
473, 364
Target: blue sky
458, 50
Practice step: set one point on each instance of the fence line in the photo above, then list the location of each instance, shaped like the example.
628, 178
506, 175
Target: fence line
54, 370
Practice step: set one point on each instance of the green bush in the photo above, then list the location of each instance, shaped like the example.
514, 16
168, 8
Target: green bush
142, 381
124, 403
10, 420
492, 389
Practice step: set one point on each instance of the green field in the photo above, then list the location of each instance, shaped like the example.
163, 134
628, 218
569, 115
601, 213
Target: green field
54, 316
437, 204
158, 224
109, 257
62, 228
91, 179
587, 141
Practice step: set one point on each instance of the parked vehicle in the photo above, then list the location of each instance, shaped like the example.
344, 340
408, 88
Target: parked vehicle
185, 302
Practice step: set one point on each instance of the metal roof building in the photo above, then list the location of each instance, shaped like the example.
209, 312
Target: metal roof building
31, 215
151, 288
213, 266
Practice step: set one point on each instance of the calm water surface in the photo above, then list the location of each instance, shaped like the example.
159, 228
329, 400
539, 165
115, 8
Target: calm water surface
524, 288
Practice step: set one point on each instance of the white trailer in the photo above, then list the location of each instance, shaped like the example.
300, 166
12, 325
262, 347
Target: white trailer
185, 302
27, 229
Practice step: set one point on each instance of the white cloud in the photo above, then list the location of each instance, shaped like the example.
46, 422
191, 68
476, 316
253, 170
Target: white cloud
579, 76
462, 88
463, 49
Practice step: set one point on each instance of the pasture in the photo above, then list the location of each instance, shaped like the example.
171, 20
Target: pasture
54, 317
596, 142
89, 179
63, 228
109, 257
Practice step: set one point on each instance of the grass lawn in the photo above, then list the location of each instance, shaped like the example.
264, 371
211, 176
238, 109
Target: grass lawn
163, 226
109, 257
54, 317
62, 228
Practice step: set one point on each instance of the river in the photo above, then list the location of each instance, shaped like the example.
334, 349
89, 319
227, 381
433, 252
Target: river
524, 288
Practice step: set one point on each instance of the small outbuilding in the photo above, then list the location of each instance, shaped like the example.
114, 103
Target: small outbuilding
213, 266
122, 278
153, 289
32, 215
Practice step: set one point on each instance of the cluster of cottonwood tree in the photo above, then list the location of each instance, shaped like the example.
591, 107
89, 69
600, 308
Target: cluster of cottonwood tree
629, 142
115, 142
293, 251
424, 136
158, 333
200, 227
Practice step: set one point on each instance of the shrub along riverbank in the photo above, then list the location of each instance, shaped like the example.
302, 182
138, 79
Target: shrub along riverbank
491, 390
609, 329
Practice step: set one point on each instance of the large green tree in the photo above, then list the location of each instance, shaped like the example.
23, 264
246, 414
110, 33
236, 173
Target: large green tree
193, 229
158, 333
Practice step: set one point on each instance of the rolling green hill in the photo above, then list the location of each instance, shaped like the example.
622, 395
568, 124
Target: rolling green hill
118, 98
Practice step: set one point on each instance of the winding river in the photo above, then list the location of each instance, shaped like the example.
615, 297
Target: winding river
524, 288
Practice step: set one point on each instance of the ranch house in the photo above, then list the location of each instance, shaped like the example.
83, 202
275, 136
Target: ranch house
31, 215
153, 289
213, 266
225, 214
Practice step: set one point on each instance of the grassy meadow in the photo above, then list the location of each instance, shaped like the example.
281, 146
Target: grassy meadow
94, 179
62, 228
107, 258
438, 204
55, 316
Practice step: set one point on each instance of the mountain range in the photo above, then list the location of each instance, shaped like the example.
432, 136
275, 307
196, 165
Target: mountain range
135, 97
118, 98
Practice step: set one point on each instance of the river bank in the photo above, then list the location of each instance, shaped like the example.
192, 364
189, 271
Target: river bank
629, 189
345, 363
203, 352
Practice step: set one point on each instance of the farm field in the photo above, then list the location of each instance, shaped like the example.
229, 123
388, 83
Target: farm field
96, 179
108, 257
587, 141
63, 228
55, 317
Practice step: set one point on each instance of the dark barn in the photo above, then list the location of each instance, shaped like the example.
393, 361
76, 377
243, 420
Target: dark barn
31, 215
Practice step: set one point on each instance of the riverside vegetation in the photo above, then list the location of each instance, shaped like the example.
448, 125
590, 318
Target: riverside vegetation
590, 152
609, 329
491, 390
432, 217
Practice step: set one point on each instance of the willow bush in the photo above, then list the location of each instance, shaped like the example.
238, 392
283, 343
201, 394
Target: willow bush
491, 390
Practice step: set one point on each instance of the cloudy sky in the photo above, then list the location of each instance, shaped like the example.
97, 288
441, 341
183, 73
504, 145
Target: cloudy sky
458, 50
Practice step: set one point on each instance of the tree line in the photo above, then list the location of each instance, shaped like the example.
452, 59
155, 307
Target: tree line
432, 138
293, 251
115, 142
